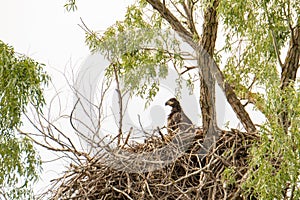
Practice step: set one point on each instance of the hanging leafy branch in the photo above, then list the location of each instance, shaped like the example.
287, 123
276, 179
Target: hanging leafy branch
21, 80
265, 29
139, 49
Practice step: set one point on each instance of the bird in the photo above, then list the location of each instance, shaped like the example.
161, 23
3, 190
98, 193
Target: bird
177, 119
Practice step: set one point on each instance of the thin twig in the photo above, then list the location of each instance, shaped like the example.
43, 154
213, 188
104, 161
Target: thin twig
124, 193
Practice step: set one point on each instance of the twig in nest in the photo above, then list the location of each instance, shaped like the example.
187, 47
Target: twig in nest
127, 138
161, 135
139, 117
124, 193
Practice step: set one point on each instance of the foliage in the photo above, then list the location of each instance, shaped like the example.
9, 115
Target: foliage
228, 176
19, 167
276, 158
20, 84
252, 28
257, 34
70, 5
139, 49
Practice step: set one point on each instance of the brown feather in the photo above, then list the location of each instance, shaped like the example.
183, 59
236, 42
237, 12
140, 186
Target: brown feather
177, 120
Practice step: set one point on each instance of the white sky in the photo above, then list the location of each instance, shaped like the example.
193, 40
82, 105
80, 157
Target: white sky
44, 31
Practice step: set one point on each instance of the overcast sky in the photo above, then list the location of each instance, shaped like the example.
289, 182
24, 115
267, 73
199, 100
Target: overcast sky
42, 29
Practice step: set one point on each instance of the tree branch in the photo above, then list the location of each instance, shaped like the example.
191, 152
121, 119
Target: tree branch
291, 63
188, 9
230, 95
167, 15
289, 72
120, 100
187, 68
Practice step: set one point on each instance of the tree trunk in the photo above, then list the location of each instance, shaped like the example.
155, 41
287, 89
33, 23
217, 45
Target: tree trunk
289, 72
207, 81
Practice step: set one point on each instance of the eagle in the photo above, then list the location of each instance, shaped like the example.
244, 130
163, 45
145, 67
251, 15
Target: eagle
177, 120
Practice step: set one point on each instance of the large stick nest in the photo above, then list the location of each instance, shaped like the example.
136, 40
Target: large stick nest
189, 177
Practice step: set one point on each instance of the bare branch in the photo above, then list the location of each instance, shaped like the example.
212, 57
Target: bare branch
139, 119
189, 9
120, 101
188, 69
167, 14
127, 138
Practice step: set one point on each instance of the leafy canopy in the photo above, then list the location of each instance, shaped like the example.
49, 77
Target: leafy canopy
139, 51
257, 35
21, 79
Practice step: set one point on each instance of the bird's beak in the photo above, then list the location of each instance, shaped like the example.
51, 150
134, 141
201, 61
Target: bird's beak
168, 103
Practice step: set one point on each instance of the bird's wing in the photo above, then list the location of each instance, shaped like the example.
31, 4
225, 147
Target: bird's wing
174, 120
177, 117
179, 120
185, 123
185, 119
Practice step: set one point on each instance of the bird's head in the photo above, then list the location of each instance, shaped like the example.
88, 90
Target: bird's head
174, 103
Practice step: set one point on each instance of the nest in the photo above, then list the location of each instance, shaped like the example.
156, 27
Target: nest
217, 175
